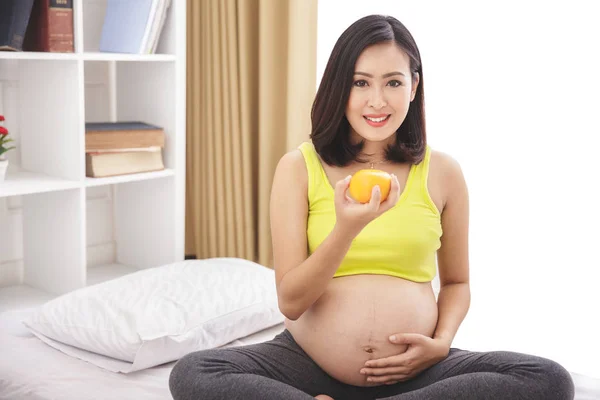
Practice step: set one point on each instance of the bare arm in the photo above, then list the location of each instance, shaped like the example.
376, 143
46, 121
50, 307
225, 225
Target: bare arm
453, 258
300, 287
302, 279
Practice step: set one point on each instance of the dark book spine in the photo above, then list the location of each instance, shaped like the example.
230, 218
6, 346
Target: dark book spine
14, 19
51, 28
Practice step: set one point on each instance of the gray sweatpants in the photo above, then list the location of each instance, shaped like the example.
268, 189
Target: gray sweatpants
280, 369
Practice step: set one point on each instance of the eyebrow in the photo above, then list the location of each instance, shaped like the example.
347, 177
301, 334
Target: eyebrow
383, 76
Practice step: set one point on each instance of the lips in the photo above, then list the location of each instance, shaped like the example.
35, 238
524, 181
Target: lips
377, 120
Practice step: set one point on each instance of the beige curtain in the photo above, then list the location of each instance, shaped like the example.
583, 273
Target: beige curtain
251, 76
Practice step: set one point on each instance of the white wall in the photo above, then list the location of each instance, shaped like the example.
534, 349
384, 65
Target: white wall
513, 93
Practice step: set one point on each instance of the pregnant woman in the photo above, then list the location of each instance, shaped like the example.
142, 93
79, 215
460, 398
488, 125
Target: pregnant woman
354, 279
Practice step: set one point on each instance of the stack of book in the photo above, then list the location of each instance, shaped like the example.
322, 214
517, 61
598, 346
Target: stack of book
119, 148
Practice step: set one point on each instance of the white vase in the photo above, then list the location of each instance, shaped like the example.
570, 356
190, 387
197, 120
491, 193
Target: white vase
3, 168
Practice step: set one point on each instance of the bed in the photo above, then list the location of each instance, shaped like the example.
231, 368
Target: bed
119, 339
32, 370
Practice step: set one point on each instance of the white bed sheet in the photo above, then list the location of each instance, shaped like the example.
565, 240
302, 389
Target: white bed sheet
32, 370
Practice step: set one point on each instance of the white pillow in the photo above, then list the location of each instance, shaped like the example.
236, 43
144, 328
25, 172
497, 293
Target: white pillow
158, 315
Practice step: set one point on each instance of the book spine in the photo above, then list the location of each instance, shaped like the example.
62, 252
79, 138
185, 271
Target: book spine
14, 21
60, 26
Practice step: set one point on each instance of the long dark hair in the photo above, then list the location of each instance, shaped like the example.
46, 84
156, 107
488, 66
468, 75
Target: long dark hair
330, 128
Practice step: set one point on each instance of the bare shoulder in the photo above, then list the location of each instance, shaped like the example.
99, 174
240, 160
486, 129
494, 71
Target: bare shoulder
446, 173
291, 168
288, 213
292, 159
290, 187
444, 163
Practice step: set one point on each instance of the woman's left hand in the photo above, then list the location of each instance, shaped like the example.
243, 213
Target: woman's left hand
422, 353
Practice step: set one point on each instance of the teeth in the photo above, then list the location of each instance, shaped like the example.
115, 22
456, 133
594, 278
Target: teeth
376, 119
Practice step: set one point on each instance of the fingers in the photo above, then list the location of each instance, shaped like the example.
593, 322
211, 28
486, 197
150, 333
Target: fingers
387, 379
396, 361
394, 194
375, 200
350, 199
382, 362
383, 371
395, 186
340, 188
409, 338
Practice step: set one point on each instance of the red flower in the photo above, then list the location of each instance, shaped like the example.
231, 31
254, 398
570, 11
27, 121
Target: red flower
3, 131
1, 117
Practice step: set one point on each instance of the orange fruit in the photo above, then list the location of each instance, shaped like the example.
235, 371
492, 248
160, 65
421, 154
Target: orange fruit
362, 183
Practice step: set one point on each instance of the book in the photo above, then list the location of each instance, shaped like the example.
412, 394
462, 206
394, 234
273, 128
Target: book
102, 136
119, 126
133, 26
125, 25
103, 164
51, 27
157, 26
127, 150
14, 19
152, 16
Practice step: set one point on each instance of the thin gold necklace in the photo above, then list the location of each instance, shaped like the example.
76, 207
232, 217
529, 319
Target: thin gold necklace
373, 163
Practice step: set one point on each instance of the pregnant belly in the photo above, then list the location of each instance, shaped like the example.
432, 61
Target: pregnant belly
352, 321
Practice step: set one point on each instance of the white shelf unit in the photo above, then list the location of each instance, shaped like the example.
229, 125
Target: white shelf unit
91, 56
56, 96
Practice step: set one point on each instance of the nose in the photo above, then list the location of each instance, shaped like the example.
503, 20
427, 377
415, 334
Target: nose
377, 99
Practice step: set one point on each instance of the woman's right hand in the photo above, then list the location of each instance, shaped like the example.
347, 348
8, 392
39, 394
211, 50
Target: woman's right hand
352, 216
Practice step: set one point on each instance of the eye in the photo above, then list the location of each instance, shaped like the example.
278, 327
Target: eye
360, 83
395, 83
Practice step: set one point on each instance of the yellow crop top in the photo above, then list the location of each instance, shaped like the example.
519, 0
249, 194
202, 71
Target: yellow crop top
401, 242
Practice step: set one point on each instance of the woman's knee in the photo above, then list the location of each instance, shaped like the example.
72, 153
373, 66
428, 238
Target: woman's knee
556, 381
191, 375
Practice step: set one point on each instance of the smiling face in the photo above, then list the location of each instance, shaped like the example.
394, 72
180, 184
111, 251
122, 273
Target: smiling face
381, 93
